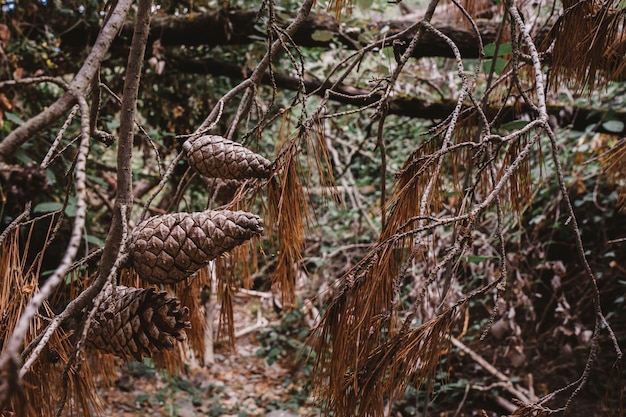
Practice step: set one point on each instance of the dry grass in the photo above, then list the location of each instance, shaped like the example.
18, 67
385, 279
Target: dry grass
35, 397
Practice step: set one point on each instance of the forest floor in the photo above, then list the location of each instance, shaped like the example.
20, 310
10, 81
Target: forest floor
241, 382
264, 375
244, 382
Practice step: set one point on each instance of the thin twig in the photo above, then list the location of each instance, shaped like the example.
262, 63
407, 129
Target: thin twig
161, 186
34, 80
25, 215
508, 385
57, 140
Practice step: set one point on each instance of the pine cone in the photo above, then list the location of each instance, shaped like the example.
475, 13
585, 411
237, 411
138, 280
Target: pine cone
137, 322
167, 249
215, 156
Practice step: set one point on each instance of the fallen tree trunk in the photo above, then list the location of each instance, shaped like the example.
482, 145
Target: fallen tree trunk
577, 118
233, 27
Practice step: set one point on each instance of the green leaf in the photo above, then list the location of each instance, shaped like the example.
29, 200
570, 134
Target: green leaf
475, 259
364, 4
94, 240
498, 68
322, 35
142, 398
48, 207
23, 158
613, 126
503, 49
12, 117
489, 49
70, 209
514, 125
501, 63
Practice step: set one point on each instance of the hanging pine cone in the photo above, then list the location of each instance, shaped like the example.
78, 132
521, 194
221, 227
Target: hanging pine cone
137, 322
215, 156
167, 249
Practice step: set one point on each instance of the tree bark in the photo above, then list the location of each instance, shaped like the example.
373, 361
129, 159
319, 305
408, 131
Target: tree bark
124, 194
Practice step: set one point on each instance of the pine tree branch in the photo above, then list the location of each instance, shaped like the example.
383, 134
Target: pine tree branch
508, 384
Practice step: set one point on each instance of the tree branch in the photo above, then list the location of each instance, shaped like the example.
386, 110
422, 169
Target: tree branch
77, 88
124, 194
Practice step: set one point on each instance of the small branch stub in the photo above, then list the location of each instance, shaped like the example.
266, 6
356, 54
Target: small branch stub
217, 157
169, 248
137, 322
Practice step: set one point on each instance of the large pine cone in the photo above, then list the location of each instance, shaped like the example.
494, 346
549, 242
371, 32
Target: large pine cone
137, 322
218, 157
167, 249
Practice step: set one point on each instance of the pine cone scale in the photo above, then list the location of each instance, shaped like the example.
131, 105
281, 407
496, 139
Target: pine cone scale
217, 157
146, 322
193, 240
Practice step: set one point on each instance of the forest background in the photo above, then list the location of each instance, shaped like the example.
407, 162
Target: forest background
425, 199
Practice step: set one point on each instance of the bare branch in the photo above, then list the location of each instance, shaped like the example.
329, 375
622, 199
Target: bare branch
124, 195
508, 385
